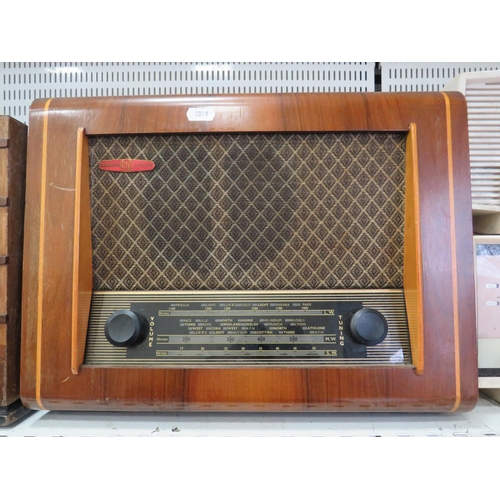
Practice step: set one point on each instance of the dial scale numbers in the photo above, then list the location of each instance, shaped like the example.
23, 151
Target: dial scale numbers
247, 329
210, 328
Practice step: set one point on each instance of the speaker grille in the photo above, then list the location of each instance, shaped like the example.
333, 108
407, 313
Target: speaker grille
277, 211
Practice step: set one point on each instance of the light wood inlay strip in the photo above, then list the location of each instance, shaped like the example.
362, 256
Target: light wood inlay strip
43, 195
413, 255
82, 255
454, 277
3, 335
76, 252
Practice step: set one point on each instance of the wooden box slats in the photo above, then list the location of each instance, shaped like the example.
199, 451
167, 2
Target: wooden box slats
13, 143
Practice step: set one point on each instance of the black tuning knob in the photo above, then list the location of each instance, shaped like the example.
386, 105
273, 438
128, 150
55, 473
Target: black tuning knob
125, 328
368, 326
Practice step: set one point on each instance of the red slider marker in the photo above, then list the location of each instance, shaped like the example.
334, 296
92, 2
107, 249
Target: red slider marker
126, 165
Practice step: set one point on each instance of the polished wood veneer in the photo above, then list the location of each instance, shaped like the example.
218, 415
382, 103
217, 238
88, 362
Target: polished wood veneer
438, 254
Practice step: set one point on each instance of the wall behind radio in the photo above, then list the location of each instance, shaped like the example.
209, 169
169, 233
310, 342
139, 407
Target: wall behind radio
419, 77
23, 82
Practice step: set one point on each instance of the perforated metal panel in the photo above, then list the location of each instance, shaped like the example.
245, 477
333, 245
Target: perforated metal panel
482, 92
418, 77
483, 102
21, 83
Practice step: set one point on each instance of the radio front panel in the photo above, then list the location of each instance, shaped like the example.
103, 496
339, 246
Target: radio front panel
249, 329
233, 212
285, 251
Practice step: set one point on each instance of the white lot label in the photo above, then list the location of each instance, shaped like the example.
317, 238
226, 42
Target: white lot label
200, 114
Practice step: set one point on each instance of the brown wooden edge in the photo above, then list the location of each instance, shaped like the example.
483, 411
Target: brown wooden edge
466, 354
82, 255
412, 276
13, 142
41, 255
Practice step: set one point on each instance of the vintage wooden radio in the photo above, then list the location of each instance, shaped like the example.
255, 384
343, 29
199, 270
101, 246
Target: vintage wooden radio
13, 137
294, 252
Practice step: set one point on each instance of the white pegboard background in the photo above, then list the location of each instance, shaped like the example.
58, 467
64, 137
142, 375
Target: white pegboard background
21, 83
428, 77
482, 92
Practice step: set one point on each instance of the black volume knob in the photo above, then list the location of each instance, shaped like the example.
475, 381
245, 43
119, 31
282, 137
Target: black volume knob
125, 328
368, 326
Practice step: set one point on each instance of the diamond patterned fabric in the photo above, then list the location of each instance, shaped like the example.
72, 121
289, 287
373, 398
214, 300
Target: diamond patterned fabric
249, 211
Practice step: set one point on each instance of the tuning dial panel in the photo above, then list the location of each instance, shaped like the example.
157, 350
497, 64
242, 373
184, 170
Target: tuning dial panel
348, 328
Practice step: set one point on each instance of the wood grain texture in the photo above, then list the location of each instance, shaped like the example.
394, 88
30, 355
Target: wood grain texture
449, 379
82, 255
413, 254
12, 186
